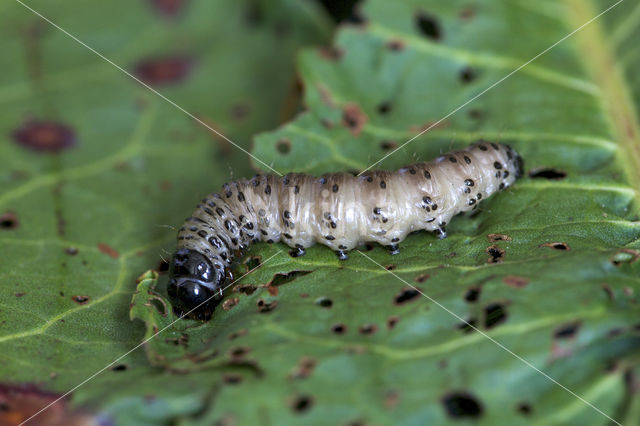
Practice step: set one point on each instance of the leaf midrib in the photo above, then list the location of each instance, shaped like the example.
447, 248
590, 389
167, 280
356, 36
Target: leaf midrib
597, 52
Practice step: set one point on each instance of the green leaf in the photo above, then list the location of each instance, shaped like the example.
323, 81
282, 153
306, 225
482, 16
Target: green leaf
351, 341
97, 172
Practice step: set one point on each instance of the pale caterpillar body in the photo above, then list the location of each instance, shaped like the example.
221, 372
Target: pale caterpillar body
339, 210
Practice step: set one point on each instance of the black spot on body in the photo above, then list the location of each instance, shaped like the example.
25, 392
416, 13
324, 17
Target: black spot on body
267, 189
335, 187
427, 175
383, 184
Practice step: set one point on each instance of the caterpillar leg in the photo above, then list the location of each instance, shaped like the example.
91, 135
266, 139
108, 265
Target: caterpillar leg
442, 232
298, 251
342, 255
393, 249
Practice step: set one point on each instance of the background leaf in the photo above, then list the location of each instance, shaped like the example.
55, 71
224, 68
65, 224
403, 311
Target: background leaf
322, 341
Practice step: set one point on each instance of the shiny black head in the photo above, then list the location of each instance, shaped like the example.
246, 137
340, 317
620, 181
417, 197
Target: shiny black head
194, 284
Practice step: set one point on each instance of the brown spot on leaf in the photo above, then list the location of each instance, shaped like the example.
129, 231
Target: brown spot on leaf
164, 70
247, 289
283, 146
391, 399
353, 118
388, 145
392, 321
239, 333
108, 250
331, 53
515, 281
547, 173
303, 369
45, 136
498, 237
430, 125
240, 111
169, 8
557, 246
421, 278
230, 303
80, 300
9, 221
20, 294
467, 12
285, 278
496, 254
395, 45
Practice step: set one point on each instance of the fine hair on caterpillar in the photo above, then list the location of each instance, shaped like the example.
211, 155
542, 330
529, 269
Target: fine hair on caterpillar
338, 210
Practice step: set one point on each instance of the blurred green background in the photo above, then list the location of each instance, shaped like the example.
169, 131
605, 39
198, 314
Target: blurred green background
97, 172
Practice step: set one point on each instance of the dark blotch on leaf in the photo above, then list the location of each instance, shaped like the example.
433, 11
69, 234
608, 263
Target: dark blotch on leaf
253, 15
384, 108
515, 281
281, 279
264, 307
496, 254
164, 71
472, 294
81, 300
524, 408
557, 246
566, 331
45, 136
476, 114
495, 314
462, 405
339, 328
368, 329
429, 26
547, 173
232, 379
325, 302
421, 278
119, 367
8, 221
301, 403
467, 75
406, 295
353, 118
283, 146
392, 321
388, 145
468, 325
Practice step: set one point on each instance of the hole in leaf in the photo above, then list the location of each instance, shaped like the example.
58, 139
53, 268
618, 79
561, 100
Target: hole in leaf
8, 221
163, 266
283, 146
232, 379
496, 254
467, 75
625, 255
388, 145
301, 403
557, 246
325, 302
384, 108
472, 295
392, 321
406, 295
264, 307
159, 305
281, 279
253, 262
247, 289
81, 300
547, 173
368, 329
428, 26
524, 408
461, 405
467, 326
495, 314
339, 328
498, 237
566, 331
230, 303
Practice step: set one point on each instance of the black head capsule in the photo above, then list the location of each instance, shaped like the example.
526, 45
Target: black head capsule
194, 284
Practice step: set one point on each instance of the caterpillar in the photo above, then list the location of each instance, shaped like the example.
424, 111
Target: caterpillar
339, 210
